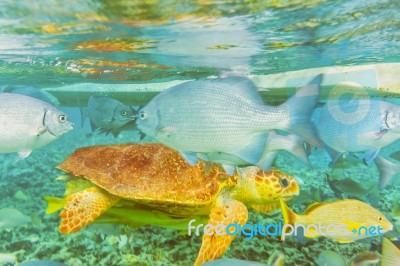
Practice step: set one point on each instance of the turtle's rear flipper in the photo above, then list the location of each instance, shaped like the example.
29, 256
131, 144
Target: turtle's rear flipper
216, 241
84, 207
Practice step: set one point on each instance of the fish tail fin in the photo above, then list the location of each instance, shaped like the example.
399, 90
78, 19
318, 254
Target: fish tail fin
300, 107
289, 217
390, 253
387, 170
54, 204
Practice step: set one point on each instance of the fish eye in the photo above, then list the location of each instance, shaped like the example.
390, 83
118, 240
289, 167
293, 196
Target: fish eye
284, 182
379, 218
62, 118
143, 115
124, 113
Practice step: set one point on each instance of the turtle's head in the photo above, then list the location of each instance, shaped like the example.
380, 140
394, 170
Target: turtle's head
255, 186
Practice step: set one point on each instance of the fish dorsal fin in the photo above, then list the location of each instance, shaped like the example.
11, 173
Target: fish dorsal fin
251, 153
313, 206
243, 87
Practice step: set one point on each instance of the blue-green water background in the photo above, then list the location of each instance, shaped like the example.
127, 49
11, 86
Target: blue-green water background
51, 43
55, 43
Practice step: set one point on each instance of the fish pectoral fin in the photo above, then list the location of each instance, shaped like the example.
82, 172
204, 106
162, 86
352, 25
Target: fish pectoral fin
39, 131
252, 152
167, 130
190, 157
141, 136
22, 155
229, 169
226, 211
378, 134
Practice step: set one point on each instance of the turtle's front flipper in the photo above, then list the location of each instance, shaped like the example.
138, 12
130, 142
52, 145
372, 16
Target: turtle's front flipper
83, 207
226, 211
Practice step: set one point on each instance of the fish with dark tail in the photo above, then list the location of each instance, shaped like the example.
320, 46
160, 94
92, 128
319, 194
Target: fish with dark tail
226, 115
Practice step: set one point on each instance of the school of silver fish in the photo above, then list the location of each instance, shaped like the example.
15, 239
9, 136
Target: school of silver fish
225, 120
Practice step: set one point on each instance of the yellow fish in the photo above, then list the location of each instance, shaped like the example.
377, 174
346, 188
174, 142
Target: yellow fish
390, 253
343, 221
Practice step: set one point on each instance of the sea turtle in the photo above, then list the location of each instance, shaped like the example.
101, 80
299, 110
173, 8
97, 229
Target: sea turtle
158, 177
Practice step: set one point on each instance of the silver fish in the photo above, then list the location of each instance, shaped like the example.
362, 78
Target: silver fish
364, 125
33, 92
27, 123
107, 114
225, 115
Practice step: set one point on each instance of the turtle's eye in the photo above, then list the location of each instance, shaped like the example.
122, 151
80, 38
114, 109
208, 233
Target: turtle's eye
143, 115
284, 182
62, 118
379, 218
124, 113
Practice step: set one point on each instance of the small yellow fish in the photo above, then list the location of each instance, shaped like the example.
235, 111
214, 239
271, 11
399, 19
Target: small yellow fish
390, 253
343, 221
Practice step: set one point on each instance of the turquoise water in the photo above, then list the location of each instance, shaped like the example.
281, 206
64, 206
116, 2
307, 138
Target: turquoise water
49, 45
105, 42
